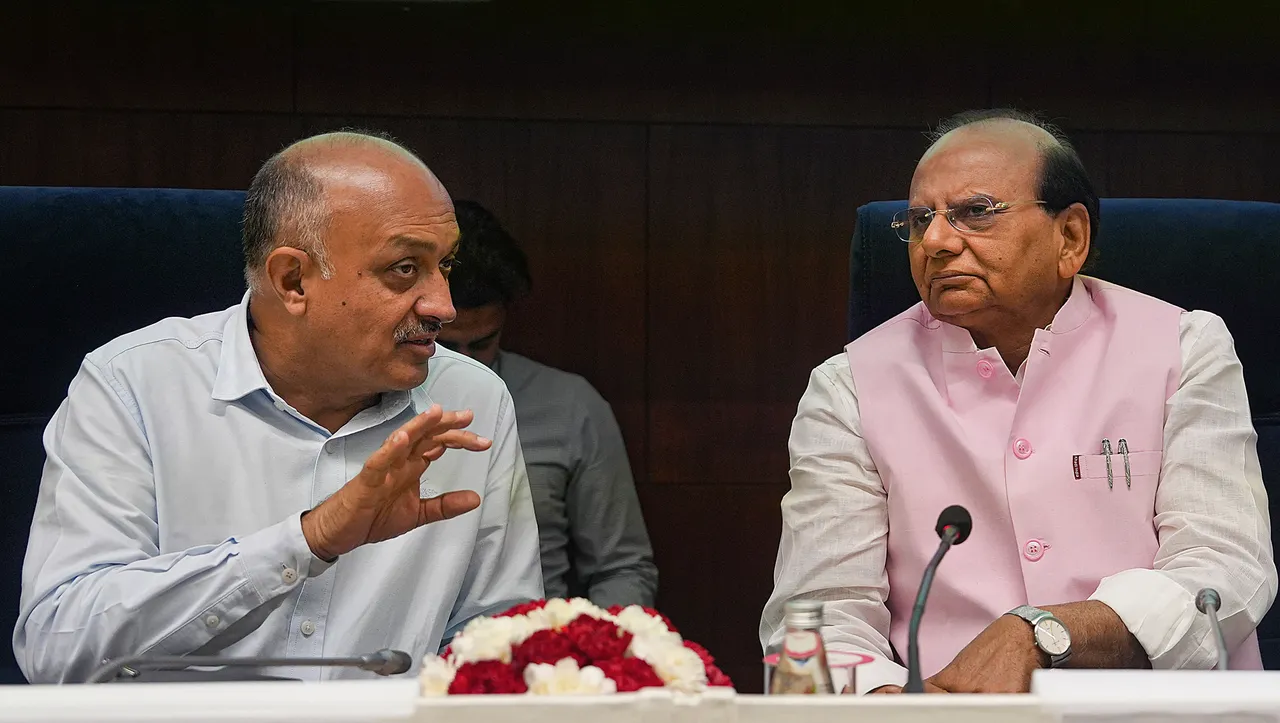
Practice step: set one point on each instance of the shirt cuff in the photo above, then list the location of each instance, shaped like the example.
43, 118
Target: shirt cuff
278, 558
1157, 611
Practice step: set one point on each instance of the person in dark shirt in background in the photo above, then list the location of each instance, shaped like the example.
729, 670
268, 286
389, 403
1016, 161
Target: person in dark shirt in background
594, 542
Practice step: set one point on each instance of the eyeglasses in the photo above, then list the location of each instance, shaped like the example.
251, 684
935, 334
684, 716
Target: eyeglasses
968, 216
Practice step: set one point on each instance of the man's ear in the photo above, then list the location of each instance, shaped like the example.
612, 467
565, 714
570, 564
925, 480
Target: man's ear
285, 270
1074, 228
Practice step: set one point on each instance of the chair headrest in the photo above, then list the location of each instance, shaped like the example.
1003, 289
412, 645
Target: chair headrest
84, 265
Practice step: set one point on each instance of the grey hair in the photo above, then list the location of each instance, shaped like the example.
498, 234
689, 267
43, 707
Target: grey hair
283, 207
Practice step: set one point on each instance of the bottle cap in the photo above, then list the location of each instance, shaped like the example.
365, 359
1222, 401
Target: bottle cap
802, 614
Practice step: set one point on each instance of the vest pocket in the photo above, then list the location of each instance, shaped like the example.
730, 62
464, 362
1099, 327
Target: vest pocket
1094, 466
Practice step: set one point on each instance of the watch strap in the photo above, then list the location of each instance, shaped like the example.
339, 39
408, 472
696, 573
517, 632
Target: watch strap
1030, 614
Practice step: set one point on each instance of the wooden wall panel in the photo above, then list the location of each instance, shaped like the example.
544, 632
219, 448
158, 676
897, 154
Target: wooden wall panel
489, 61
748, 251
715, 547
138, 148
576, 200
190, 55
1243, 166
1135, 87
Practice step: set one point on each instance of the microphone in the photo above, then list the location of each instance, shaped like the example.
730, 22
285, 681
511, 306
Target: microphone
1209, 603
954, 526
382, 662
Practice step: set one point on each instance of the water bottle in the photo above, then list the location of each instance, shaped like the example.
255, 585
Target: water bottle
802, 663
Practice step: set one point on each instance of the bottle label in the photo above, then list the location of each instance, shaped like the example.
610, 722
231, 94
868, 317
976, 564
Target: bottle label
802, 666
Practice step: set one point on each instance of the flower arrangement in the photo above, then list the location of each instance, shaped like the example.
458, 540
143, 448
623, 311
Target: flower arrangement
570, 647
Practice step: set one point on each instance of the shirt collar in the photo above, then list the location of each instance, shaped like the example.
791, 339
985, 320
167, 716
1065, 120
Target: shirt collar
1073, 313
239, 373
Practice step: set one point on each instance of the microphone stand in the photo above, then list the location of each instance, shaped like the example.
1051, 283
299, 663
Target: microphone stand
383, 662
914, 682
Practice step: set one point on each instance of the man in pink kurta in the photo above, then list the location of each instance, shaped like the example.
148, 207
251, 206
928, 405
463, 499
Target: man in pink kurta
1100, 438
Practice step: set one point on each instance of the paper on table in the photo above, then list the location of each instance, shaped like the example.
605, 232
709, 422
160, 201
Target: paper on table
1178, 696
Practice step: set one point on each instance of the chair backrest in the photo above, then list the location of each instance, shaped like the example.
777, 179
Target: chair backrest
82, 266
1219, 256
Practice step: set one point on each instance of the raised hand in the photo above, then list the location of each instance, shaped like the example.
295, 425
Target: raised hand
383, 501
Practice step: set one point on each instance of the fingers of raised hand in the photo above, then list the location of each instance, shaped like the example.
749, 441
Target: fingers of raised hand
461, 439
456, 439
393, 452
447, 506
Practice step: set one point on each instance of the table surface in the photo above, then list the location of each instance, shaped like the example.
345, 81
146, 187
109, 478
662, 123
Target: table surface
1061, 696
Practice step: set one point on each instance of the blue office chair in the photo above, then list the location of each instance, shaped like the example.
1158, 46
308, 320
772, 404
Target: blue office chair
82, 266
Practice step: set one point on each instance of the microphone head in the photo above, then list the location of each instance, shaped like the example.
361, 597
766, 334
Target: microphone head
1208, 599
388, 662
957, 517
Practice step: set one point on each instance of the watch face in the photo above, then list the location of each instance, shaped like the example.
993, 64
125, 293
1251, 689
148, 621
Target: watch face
1052, 637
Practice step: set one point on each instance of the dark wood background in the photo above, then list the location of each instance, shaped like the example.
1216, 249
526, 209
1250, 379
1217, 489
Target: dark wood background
685, 179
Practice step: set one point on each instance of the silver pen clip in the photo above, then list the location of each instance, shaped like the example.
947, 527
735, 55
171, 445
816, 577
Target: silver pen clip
1106, 451
1124, 452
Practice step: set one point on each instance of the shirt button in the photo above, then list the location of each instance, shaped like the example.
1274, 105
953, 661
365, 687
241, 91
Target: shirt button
331, 447
1021, 448
308, 628
985, 369
1033, 550
290, 575
212, 621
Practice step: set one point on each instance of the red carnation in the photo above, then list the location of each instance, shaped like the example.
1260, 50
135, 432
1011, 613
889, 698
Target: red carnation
546, 646
665, 620
703, 655
630, 674
715, 676
597, 639
717, 679
523, 609
487, 676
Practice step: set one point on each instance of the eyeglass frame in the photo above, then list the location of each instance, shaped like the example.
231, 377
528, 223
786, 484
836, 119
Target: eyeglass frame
997, 207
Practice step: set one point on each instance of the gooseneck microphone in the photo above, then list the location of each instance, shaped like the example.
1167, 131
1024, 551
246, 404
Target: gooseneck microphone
382, 662
954, 526
1209, 603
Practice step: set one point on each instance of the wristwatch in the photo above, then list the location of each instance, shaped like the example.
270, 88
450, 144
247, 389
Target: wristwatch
1051, 635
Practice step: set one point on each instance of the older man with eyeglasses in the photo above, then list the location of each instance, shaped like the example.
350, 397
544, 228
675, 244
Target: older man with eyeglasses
1101, 439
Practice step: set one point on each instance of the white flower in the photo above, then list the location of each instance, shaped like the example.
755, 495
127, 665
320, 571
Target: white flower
522, 626
484, 639
559, 613
641, 624
565, 678
678, 666
436, 675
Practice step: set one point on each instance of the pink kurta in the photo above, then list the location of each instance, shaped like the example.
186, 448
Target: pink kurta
947, 423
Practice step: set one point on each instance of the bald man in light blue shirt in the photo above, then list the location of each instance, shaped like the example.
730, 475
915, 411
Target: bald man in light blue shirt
281, 478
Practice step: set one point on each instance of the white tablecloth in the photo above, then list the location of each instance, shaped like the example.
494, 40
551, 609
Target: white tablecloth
1068, 696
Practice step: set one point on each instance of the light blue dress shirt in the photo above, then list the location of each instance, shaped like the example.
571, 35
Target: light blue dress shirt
168, 516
